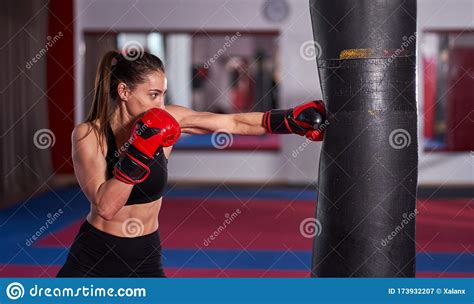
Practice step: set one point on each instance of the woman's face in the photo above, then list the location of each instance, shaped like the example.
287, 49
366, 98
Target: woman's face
148, 94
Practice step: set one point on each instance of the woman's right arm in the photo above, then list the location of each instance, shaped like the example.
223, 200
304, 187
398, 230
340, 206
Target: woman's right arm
106, 196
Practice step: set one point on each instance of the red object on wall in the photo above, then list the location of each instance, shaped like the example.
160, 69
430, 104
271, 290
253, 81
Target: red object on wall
460, 106
60, 79
429, 102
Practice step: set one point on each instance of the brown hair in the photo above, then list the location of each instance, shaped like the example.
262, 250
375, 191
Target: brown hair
130, 68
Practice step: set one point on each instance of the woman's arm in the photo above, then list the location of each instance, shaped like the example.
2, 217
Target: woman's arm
194, 122
90, 167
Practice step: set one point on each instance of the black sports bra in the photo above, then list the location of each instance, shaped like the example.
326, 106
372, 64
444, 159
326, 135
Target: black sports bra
149, 190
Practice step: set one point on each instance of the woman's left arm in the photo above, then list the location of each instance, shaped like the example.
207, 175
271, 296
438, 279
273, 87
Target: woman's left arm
193, 122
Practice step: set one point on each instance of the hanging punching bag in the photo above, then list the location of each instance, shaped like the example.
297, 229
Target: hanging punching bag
368, 166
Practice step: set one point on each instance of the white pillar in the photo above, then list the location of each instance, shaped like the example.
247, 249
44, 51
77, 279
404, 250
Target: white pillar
179, 69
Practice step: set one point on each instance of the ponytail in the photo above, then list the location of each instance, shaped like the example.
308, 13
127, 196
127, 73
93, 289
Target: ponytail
100, 104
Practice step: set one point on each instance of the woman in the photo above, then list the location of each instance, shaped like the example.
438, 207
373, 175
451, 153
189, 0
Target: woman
120, 236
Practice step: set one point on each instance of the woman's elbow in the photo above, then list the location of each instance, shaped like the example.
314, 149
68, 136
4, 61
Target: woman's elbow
108, 216
104, 211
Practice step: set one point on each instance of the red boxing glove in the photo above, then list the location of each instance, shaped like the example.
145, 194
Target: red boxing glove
155, 129
305, 120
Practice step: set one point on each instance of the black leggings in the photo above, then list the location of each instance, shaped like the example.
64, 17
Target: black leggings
95, 253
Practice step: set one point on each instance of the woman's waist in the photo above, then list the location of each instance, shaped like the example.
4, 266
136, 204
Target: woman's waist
93, 242
125, 224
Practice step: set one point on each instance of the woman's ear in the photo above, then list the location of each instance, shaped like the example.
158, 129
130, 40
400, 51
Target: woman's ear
123, 91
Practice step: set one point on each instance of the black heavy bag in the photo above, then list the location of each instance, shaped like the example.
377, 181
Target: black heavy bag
368, 169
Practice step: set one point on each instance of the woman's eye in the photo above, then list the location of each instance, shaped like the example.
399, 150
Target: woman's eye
154, 95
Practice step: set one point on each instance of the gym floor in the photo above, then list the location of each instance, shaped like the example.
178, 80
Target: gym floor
266, 242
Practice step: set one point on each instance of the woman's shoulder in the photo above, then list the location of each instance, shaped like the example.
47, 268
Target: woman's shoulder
87, 132
179, 112
84, 130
